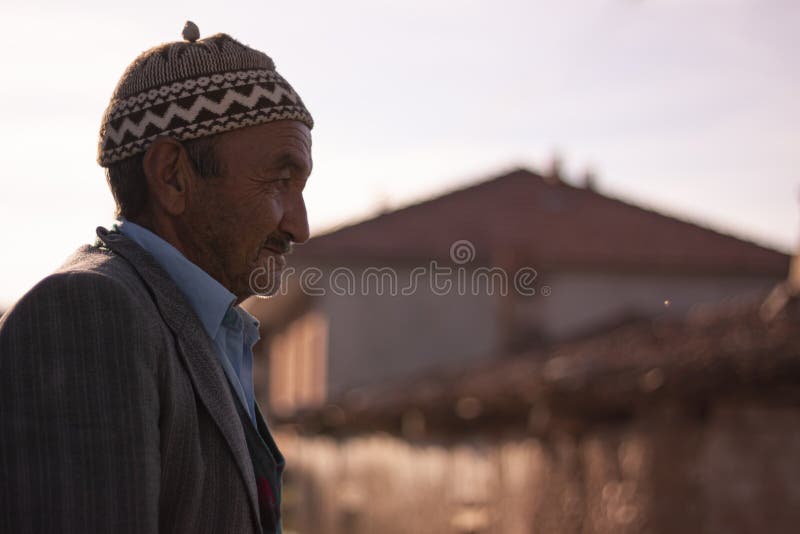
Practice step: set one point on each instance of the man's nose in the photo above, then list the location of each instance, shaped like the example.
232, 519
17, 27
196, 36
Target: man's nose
295, 221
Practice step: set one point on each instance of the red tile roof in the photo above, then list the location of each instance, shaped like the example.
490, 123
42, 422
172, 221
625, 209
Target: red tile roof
522, 219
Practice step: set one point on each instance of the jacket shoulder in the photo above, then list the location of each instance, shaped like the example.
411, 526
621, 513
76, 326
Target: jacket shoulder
80, 387
92, 287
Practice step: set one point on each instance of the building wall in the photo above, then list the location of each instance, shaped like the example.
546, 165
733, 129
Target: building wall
376, 337
378, 332
580, 301
736, 471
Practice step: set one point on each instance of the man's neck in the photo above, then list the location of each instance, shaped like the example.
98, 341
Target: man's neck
172, 231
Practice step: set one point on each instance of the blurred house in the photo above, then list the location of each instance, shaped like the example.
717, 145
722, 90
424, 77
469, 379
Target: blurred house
687, 424
510, 264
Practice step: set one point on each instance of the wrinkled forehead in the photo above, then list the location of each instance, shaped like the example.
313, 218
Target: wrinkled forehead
283, 142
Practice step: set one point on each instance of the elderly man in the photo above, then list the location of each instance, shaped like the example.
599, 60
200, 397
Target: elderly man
126, 386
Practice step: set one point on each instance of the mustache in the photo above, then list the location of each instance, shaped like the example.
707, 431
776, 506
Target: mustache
280, 243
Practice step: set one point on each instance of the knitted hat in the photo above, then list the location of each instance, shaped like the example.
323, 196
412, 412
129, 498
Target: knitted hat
194, 88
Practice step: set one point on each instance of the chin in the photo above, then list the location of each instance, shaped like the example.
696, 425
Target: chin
264, 281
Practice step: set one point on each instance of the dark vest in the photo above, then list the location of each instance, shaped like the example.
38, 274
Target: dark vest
268, 464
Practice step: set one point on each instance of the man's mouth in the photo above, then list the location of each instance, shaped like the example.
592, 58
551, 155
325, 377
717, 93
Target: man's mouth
277, 258
278, 246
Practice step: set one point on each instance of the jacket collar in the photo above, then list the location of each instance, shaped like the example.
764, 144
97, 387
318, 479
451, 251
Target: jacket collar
209, 299
197, 350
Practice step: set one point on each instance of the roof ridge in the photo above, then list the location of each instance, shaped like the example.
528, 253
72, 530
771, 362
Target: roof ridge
630, 203
568, 220
678, 217
427, 200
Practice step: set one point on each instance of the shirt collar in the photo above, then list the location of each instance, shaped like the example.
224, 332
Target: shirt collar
251, 332
209, 299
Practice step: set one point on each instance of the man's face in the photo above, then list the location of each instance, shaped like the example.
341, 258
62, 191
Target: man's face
243, 223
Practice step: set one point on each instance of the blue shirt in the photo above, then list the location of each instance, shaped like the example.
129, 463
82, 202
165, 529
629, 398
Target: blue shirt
232, 328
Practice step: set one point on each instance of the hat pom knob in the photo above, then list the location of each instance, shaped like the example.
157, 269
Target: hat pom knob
191, 32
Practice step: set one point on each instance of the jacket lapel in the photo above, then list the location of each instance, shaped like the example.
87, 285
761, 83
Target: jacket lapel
198, 351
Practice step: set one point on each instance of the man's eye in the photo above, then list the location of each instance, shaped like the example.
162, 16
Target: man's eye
281, 184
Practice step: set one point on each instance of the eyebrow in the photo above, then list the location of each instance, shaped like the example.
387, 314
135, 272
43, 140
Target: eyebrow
289, 159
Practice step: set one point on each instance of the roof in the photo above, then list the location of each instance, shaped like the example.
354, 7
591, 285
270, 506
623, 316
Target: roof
522, 218
727, 349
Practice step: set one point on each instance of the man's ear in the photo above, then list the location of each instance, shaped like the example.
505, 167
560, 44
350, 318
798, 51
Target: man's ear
169, 174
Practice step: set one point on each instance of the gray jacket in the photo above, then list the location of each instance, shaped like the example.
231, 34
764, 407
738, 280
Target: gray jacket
115, 414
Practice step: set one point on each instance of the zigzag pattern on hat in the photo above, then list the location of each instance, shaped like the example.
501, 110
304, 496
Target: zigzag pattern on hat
208, 127
193, 86
116, 135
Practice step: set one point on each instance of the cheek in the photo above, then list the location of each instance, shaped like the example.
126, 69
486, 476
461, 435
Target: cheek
267, 216
260, 209
259, 221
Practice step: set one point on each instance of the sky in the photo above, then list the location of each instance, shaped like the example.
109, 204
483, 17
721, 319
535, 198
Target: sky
689, 107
